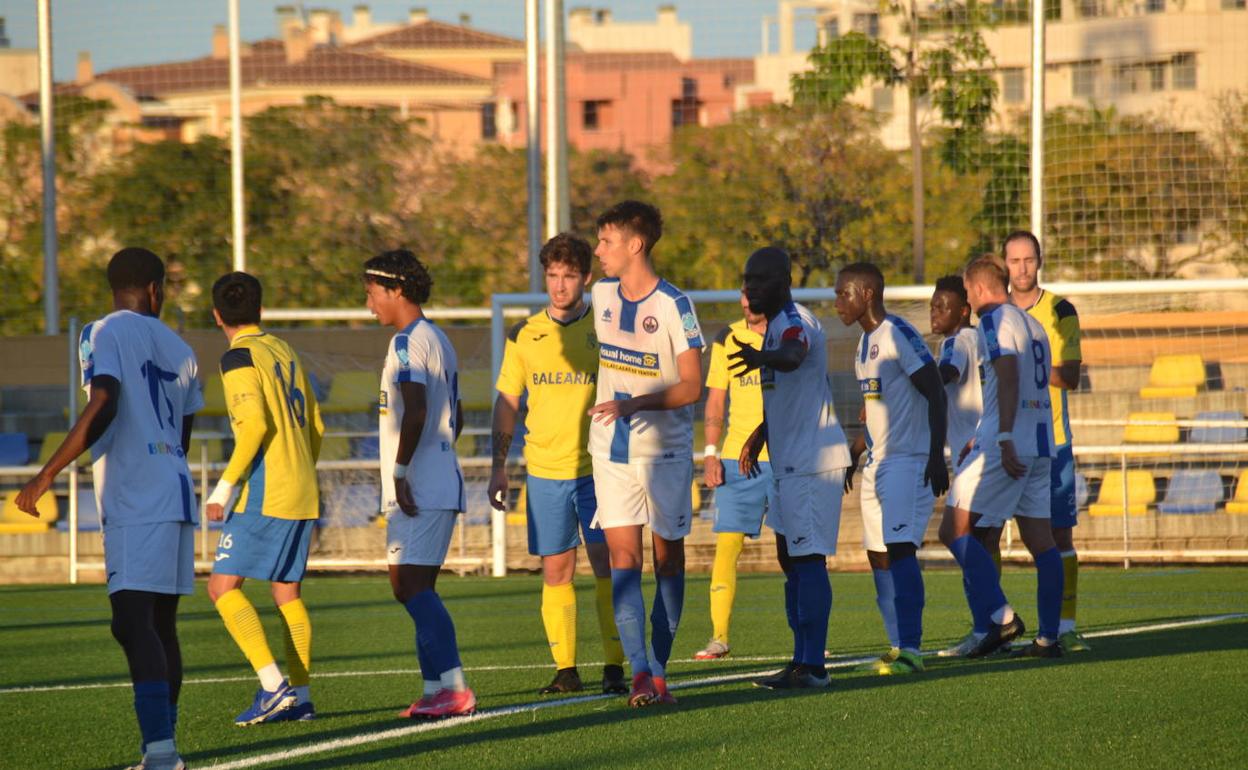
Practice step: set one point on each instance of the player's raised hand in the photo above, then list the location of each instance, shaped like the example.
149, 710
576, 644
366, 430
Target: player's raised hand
746, 359
1010, 461
403, 495
498, 489
936, 474
28, 498
609, 411
712, 472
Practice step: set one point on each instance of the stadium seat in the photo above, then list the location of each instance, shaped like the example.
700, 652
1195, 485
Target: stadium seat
1081, 491
50, 443
1239, 503
351, 505
1151, 434
1192, 492
1141, 492
696, 494
336, 448
367, 448
1175, 376
14, 520
14, 449
214, 397
519, 515
215, 447
1219, 435
353, 391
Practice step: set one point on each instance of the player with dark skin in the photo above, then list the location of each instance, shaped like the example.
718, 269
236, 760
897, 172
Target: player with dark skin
948, 314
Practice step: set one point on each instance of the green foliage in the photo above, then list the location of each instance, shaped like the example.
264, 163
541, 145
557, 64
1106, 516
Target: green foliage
841, 67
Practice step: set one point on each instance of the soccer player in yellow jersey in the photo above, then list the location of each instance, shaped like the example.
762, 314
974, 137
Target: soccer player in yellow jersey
1061, 324
268, 524
553, 357
740, 501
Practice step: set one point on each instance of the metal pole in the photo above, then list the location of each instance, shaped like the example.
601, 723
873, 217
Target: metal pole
558, 210
47, 144
532, 133
1126, 521
236, 142
498, 519
72, 344
203, 499
1037, 119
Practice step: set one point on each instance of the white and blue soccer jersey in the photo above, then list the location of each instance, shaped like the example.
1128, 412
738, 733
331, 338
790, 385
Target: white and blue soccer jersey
896, 411
638, 343
140, 470
964, 396
422, 354
803, 434
1008, 331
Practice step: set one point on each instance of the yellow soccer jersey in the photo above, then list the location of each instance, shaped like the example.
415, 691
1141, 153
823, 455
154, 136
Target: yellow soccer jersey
277, 427
557, 363
745, 395
1061, 324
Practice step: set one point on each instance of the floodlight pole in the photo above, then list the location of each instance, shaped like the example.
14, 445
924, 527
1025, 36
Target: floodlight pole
532, 133
47, 144
237, 210
558, 210
1037, 119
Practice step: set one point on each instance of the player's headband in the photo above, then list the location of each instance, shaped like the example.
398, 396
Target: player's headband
382, 274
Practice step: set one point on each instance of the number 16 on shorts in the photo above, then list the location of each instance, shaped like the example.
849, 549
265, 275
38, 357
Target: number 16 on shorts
224, 544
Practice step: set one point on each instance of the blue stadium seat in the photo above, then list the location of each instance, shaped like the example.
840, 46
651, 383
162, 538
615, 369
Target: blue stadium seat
351, 505
1081, 491
14, 449
1192, 492
1219, 435
365, 448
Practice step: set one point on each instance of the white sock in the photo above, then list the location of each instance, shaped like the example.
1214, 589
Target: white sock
270, 677
304, 693
454, 679
1065, 627
977, 635
1003, 615
432, 686
161, 748
1040, 640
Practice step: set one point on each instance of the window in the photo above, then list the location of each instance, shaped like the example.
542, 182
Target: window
867, 23
589, 115
1233, 5
1090, 9
1126, 79
1183, 72
1155, 6
1012, 85
832, 28
1083, 79
1156, 75
489, 127
882, 100
685, 109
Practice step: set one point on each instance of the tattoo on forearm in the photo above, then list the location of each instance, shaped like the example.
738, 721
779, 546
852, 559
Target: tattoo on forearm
501, 441
714, 422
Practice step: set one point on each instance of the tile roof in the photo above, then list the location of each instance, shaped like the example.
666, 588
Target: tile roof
437, 34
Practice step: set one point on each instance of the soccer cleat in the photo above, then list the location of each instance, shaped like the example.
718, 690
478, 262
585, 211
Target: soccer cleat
644, 692
267, 705
998, 636
664, 696
566, 680
159, 762
880, 662
443, 704
905, 663
960, 649
1073, 641
770, 681
613, 680
714, 650
300, 712
1037, 650
798, 677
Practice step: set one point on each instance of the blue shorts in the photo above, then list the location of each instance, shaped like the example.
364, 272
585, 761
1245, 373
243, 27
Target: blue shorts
742, 502
157, 557
263, 547
1063, 510
555, 508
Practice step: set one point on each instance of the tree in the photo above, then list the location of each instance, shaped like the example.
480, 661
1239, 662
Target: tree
942, 56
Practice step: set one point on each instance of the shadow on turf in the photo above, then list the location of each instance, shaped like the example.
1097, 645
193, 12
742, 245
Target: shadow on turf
1213, 638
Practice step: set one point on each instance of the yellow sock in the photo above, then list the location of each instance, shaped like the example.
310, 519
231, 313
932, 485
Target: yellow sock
244, 626
724, 582
612, 650
559, 617
1070, 590
298, 639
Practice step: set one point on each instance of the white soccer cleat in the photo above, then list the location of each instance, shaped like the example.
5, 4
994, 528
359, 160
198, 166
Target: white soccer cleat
963, 647
714, 650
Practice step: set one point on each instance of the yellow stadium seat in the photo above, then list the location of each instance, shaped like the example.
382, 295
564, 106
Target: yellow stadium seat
215, 446
1239, 504
46, 506
336, 448
476, 389
520, 516
1151, 434
51, 442
354, 391
1141, 492
696, 495
214, 397
1175, 376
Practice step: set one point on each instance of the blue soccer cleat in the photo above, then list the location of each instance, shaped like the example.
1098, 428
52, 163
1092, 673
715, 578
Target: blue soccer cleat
267, 705
300, 712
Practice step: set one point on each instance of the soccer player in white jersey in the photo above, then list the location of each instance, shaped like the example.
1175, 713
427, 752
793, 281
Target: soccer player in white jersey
144, 390
959, 370
641, 434
904, 440
809, 457
1006, 474
422, 487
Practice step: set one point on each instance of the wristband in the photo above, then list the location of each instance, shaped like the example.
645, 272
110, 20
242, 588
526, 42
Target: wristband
400, 471
222, 494
1004, 436
710, 450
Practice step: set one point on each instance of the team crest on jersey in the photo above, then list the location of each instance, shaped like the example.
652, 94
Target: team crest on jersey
85, 350
875, 352
403, 357
606, 315
650, 324
691, 325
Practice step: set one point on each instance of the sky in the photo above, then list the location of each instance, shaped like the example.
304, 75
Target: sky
128, 32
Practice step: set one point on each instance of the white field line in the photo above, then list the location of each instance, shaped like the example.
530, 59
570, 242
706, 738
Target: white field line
836, 661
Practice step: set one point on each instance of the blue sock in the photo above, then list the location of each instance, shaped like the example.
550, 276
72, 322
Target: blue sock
435, 631
814, 604
983, 582
630, 617
790, 612
980, 621
151, 706
909, 600
1050, 582
884, 597
669, 600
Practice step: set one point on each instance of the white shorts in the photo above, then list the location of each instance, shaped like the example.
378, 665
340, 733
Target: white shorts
808, 512
951, 499
635, 494
896, 504
983, 487
159, 558
420, 540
